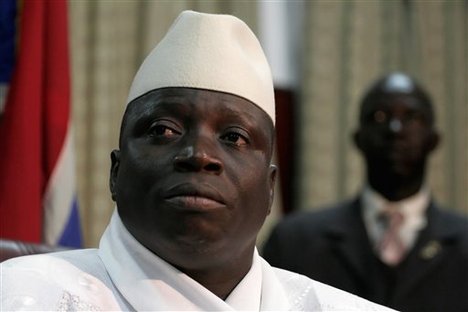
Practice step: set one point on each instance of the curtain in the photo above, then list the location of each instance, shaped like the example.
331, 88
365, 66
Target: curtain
346, 44
350, 43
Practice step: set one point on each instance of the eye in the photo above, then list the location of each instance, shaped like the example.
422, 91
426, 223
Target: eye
163, 129
235, 137
380, 117
415, 116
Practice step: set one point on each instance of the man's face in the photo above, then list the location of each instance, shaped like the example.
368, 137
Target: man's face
396, 134
193, 181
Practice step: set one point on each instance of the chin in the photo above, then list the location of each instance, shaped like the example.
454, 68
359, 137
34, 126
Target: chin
192, 254
400, 171
195, 240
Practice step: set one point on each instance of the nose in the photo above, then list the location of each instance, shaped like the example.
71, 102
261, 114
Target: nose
395, 125
196, 159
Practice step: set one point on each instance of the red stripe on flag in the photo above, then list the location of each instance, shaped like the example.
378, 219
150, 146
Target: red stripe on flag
56, 82
34, 124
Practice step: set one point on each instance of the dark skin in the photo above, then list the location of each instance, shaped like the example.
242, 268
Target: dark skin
396, 135
193, 181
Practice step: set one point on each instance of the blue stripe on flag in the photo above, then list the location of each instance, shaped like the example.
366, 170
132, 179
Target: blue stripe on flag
7, 38
71, 235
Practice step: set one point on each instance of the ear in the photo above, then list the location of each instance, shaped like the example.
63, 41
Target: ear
273, 170
434, 140
114, 171
356, 137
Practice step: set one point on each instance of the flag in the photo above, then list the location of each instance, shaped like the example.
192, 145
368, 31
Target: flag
7, 46
37, 183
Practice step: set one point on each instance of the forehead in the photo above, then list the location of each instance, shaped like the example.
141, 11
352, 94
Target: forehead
197, 99
395, 101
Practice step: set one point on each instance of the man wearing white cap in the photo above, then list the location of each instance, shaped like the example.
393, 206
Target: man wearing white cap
193, 183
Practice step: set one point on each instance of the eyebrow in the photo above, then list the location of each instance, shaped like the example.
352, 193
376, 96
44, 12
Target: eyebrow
165, 105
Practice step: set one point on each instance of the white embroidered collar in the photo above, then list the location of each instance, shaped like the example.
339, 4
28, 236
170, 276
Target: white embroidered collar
149, 283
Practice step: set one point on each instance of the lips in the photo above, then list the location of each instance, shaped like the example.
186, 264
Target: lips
398, 148
195, 197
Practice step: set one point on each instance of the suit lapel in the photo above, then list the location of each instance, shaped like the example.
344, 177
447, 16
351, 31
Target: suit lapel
349, 239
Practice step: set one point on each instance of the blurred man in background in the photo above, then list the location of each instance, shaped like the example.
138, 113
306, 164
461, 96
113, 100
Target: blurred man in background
393, 244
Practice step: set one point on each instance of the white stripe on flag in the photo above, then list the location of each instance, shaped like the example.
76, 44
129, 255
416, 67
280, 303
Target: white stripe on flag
3, 94
60, 192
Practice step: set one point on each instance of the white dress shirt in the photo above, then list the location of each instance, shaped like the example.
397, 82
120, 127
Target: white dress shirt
412, 208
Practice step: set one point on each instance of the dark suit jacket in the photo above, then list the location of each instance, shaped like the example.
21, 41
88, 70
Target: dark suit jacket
332, 246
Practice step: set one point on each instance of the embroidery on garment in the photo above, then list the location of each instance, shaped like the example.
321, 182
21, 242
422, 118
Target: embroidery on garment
70, 302
301, 297
304, 302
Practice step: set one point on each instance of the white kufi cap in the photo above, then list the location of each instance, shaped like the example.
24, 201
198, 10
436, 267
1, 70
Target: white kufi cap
208, 51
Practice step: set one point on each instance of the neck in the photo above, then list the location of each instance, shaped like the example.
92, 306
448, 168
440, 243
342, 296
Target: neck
222, 279
395, 188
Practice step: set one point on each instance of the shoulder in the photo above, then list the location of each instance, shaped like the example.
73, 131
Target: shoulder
48, 281
453, 218
310, 295
317, 218
449, 222
52, 263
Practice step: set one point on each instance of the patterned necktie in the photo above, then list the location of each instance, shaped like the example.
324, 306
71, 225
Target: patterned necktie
391, 248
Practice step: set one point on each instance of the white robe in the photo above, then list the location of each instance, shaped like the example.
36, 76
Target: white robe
124, 275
